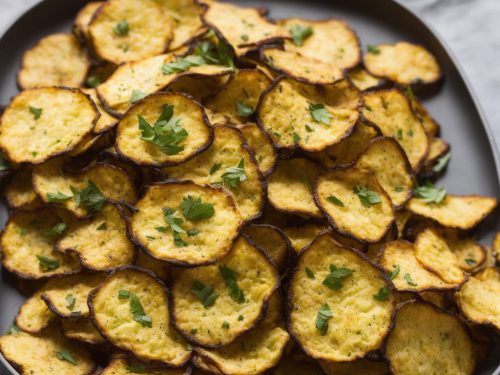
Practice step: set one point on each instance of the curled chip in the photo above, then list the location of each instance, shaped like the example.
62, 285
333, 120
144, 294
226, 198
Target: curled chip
34, 315
46, 352
301, 236
19, 192
119, 34
82, 330
83, 18
262, 147
390, 111
469, 253
430, 125
106, 121
363, 80
455, 211
403, 63
396, 180
27, 246
290, 187
185, 224
41, 123
121, 366
56, 60
272, 240
241, 28
238, 98
323, 315
131, 310
164, 129
358, 367
419, 326
213, 305
355, 204
433, 253
398, 259
67, 298
85, 192
253, 353
479, 298
230, 164
297, 115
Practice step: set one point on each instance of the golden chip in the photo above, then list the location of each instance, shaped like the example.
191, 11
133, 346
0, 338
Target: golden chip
430, 340
272, 240
19, 192
390, 111
363, 80
185, 224
83, 18
131, 310
82, 330
355, 204
106, 121
469, 253
358, 367
227, 163
124, 367
324, 317
301, 236
290, 187
215, 304
403, 63
162, 130
309, 117
430, 125
199, 86
34, 315
41, 123
437, 149
262, 147
56, 60
119, 33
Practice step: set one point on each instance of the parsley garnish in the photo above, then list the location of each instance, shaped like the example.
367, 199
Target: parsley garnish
64, 355
136, 308
243, 110
71, 302
470, 261
324, 315
204, 293
367, 197
123, 294
333, 199
241, 318
225, 324
296, 138
182, 64
374, 50
13, 330
47, 263
194, 209
57, 197
136, 96
230, 277
233, 176
55, 231
334, 279
90, 197
103, 226
122, 28
409, 93
399, 189
244, 37
392, 274
37, 112
441, 163
174, 223
409, 280
215, 168
93, 81
300, 33
429, 193
382, 295
310, 273
319, 113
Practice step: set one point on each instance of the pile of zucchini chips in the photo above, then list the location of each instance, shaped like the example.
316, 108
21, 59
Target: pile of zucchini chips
196, 189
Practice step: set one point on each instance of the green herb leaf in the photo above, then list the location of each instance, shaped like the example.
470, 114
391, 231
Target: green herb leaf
194, 209
13, 330
334, 279
296, 138
37, 112
136, 96
233, 176
374, 50
367, 197
300, 33
182, 64
409, 280
90, 197
441, 163
47, 264
399, 189
64, 355
192, 232
103, 226
137, 310
244, 37
319, 113
123, 294
382, 295
392, 274
324, 315
204, 293
333, 199
122, 28
93, 81
310, 273
55, 231
409, 92
470, 261
225, 324
215, 168
71, 302
230, 278
57, 197
241, 318
243, 110
429, 193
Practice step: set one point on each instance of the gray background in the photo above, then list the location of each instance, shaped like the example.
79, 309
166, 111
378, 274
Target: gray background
470, 27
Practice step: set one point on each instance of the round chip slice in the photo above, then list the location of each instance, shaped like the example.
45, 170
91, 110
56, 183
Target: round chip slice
124, 367
120, 33
262, 146
272, 240
83, 18
297, 115
479, 298
429, 339
355, 204
82, 330
301, 236
470, 254
56, 60
340, 304
403, 63
45, 353
130, 309
106, 121
162, 130
185, 224
42, 123
430, 125
213, 305
19, 192
290, 187
363, 80
34, 315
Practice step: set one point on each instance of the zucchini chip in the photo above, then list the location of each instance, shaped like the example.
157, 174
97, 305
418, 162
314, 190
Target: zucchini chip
200, 87
83, 18
27, 246
213, 305
290, 187
106, 121
239, 27
390, 111
67, 298
227, 163
355, 204
397, 181
239, 97
42, 123
430, 125
130, 309
120, 33
455, 211
82, 330
56, 60
398, 259
433, 253
122, 366
271, 240
479, 298
358, 367
297, 115
162, 130
437, 149
262, 147
34, 315
340, 304
251, 354
19, 192
363, 80
185, 224
85, 192
469, 253
301, 236
403, 63
429, 339
49, 352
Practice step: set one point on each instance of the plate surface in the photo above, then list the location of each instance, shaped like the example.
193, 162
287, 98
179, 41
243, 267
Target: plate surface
474, 154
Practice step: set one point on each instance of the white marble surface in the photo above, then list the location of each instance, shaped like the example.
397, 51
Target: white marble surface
470, 27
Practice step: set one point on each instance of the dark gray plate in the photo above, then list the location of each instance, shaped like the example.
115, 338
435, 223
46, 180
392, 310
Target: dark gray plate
475, 155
